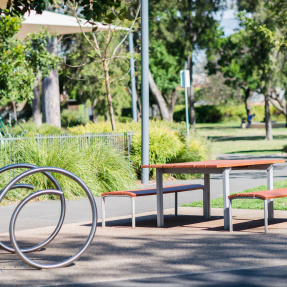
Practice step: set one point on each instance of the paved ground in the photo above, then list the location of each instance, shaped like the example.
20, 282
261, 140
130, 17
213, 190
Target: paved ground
188, 251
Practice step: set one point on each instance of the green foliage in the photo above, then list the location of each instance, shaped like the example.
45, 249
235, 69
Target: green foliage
16, 76
100, 10
196, 149
32, 129
71, 119
167, 142
102, 169
21, 61
87, 82
217, 114
164, 147
215, 92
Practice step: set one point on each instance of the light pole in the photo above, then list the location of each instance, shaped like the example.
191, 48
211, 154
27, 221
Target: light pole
133, 79
145, 89
185, 83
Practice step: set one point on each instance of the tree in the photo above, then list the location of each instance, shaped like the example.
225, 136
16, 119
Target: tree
102, 53
265, 54
23, 61
82, 76
180, 27
234, 57
98, 10
215, 92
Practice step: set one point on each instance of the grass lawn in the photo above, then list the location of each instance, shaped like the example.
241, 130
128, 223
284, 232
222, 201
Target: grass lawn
230, 138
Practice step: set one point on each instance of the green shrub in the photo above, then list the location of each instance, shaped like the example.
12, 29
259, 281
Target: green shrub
164, 147
232, 113
102, 169
71, 119
169, 146
32, 129
195, 149
204, 114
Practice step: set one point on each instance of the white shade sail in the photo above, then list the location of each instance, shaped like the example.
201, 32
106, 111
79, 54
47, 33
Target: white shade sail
58, 23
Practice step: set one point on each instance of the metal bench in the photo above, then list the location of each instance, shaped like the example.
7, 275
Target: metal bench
144, 192
264, 195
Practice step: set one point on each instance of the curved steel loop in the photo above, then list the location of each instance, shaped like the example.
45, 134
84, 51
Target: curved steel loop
12, 185
33, 195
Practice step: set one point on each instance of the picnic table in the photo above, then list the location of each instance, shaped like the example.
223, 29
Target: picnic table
207, 168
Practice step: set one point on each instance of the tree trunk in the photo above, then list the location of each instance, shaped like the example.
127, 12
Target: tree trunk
36, 105
50, 92
158, 97
14, 110
110, 104
172, 104
95, 116
247, 93
268, 125
192, 118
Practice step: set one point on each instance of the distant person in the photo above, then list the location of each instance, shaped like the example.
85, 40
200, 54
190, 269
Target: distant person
249, 120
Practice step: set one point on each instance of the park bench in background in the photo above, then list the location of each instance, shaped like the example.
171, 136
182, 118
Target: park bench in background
264, 195
144, 192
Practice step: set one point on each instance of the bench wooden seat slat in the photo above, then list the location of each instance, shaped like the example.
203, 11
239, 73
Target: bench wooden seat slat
152, 191
264, 195
144, 192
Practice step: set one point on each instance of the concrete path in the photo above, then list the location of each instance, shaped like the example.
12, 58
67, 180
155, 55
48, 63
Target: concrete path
189, 251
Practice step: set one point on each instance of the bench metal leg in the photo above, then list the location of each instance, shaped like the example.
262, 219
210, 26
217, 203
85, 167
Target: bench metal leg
133, 212
226, 189
175, 203
103, 212
230, 215
270, 187
266, 215
206, 196
159, 198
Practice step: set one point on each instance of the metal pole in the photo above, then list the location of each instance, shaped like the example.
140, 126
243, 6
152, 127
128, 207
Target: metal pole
186, 113
145, 90
133, 79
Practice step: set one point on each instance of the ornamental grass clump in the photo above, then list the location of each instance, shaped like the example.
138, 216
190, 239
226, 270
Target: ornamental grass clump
100, 167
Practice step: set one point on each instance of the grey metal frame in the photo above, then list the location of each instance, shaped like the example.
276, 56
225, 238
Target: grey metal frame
11, 186
57, 191
133, 209
206, 197
265, 211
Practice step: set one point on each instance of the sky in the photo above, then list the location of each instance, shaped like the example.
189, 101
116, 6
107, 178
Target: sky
229, 22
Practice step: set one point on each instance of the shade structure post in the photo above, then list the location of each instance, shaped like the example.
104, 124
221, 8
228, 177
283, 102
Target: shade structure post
145, 89
133, 79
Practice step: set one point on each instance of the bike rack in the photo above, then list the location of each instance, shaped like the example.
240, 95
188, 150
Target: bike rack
57, 191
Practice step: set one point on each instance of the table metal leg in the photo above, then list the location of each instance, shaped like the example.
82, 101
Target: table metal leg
226, 190
270, 187
159, 198
206, 196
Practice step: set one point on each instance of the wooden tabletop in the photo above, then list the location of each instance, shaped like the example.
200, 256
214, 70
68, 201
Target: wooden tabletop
216, 163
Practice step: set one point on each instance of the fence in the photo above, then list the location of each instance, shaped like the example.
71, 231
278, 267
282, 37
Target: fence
120, 141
